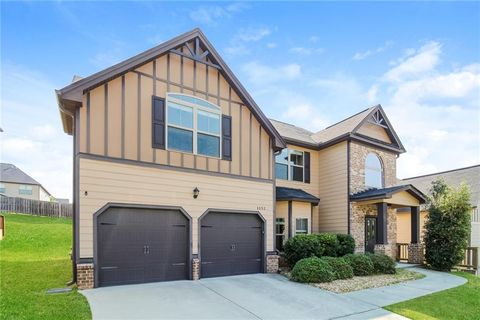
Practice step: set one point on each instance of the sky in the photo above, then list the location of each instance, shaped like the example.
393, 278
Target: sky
309, 63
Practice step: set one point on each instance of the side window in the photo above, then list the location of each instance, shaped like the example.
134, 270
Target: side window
2, 188
292, 165
373, 171
25, 189
281, 165
301, 226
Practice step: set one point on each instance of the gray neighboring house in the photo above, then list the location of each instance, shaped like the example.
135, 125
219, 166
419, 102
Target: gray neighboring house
16, 183
469, 175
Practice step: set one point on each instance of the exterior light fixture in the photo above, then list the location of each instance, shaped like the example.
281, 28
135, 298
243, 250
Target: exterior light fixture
195, 193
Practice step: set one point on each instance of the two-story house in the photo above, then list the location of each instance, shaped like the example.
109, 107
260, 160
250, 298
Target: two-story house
178, 174
16, 183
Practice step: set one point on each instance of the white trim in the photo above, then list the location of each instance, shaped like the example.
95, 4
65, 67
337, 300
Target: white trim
302, 231
289, 164
195, 108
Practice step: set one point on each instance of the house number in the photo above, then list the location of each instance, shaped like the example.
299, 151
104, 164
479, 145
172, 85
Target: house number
261, 208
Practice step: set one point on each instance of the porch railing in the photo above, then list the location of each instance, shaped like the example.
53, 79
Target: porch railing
470, 260
402, 252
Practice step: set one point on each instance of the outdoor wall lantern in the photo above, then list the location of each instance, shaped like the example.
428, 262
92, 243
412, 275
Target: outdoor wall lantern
195, 193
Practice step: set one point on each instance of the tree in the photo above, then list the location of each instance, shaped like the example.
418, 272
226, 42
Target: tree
448, 225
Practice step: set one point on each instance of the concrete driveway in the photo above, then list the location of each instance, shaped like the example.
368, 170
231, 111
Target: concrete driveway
259, 296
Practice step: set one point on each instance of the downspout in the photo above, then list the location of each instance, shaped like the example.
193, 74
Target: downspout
348, 186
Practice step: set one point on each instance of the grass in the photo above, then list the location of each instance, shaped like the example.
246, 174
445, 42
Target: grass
34, 257
460, 303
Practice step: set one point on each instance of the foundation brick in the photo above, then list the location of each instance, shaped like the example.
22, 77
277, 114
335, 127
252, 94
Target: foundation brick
85, 274
272, 263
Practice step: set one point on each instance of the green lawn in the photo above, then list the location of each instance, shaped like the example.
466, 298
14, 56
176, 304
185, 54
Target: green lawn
34, 257
457, 303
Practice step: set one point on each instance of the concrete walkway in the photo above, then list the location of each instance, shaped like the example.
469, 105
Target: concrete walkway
259, 296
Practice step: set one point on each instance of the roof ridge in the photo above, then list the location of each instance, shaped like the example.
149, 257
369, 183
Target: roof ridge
356, 114
441, 172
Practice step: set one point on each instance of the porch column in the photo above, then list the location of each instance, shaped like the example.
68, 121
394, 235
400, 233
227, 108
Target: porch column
382, 217
415, 224
290, 233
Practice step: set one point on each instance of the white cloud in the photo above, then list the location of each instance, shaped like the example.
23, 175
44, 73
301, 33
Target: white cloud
212, 14
306, 51
372, 94
238, 43
258, 73
313, 39
271, 45
304, 114
253, 34
368, 53
423, 61
33, 138
435, 112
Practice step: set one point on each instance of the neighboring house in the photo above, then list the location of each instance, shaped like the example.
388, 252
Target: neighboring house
453, 178
16, 183
62, 200
179, 175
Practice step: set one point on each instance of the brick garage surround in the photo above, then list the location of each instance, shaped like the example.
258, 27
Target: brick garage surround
272, 263
195, 269
357, 228
85, 276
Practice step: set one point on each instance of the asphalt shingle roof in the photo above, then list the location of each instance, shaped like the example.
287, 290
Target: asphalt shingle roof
453, 178
284, 193
374, 193
10, 173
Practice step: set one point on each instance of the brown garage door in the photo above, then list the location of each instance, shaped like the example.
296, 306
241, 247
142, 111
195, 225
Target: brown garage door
231, 244
141, 245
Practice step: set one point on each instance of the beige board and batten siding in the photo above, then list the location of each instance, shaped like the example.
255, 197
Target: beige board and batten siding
333, 189
374, 131
312, 187
105, 181
299, 210
116, 118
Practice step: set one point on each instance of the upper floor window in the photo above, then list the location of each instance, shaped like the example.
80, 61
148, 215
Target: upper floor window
24, 189
373, 171
289, 165
193, 125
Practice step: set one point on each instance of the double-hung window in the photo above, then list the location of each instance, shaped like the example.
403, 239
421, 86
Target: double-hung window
193, 125
289, 165
25, 189
301, 226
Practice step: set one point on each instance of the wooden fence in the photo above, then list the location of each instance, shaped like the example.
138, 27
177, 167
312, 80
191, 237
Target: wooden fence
36, 207
402, 252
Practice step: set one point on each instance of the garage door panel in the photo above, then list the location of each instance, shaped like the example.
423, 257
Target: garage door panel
231, 244
136, 245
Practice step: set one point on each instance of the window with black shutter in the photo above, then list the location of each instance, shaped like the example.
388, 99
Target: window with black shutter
307, 167
226, 137
158, 123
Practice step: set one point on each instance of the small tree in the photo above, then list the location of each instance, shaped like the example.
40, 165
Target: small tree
448, 225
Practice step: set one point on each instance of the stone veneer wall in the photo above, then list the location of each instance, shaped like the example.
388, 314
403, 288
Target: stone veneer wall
272, 263
358, 154
357, 227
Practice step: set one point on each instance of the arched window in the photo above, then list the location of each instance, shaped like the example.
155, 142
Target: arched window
373, 171
193, 125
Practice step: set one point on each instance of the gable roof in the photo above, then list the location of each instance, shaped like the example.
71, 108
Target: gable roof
70, 97
12, 174
284, 193
371, 194
341, 131
453, 178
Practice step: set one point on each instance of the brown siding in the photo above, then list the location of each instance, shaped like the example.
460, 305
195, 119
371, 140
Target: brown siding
126, 183
173, 74
333, 176
375, 132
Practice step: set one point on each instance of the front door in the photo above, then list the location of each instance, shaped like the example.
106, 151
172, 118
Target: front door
370, 233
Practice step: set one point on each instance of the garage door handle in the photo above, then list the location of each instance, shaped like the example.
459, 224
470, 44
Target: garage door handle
108, 268
178, 264
207, 262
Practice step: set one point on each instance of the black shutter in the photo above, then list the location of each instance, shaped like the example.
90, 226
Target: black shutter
226, 137
158, 123
307, 166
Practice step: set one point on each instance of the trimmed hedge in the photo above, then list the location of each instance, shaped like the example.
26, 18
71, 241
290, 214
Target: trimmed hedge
302, 246
329, 242
313, 269
361, 264
340, 267
382, 263
317, 245
346, 244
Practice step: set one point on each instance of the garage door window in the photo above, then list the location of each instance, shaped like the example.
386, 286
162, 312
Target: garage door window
301, 226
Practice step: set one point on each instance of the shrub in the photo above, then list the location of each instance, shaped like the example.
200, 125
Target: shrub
448, 225
360, 263
302, 246
329, 241
312, 269
340, 267
382, 263
346, 244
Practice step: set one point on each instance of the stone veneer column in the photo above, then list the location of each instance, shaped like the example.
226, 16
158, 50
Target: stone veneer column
85, 276
272, 263
195, 269
415, 253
